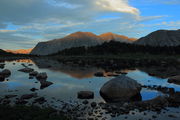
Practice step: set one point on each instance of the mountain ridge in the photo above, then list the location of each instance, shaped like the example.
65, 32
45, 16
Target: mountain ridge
161, 38
76, 39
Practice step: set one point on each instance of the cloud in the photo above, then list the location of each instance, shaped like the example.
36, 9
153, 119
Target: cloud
41, 20
117, 6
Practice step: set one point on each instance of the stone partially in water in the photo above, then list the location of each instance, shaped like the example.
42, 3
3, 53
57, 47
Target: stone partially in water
26, 70
174, 79
5, 73
85, 95
99, 74
41, 76
28, 96
33, 73
2, 78
2, 66
121, 88
45, 84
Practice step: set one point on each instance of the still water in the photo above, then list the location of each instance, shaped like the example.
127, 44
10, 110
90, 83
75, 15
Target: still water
68, 80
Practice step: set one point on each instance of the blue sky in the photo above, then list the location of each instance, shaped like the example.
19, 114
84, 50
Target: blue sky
24, 23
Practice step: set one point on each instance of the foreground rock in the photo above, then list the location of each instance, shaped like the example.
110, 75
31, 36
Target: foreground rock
121, 88
174, 79
85, 95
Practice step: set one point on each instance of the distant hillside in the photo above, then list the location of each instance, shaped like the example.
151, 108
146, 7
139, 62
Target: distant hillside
77, 39
118, 48
20, 51
161, 38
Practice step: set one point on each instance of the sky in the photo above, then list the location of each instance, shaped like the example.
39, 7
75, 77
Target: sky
24, 23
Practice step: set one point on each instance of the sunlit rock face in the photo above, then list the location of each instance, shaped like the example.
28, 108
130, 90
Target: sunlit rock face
20, 51
77, 39
73, 40
161, 38
111, 36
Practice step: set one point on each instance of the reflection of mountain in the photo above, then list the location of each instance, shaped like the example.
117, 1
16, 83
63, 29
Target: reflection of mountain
20, 51
76, 40
161, 38
72, 70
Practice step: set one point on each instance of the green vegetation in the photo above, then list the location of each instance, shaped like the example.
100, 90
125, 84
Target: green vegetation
28, 113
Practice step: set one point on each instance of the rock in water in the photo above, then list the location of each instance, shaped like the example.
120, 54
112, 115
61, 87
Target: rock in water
85, 95
174, 79
45, 84
26, 70
2, 78
34, 73
121, 88
41, 76
5, 73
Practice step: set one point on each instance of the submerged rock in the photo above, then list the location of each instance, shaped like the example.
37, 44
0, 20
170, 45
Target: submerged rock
85, 95
26, 70
174, 79
121, 88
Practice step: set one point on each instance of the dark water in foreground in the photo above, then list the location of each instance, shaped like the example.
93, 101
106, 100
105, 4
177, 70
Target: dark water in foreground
68, 80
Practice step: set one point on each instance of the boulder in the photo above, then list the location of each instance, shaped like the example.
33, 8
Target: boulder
45, 84
26, 70
2, 78
85, 95
33, 73
174, 79
40, 100
121, 88
41, 76
28, 96
5, 73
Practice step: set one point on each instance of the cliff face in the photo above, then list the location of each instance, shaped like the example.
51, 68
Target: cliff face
161, 38
73, 40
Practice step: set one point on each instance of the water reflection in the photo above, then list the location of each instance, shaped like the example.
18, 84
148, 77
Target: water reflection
69, 79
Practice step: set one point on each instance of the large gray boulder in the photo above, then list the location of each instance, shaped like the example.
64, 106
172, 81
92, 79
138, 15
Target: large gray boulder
121, 88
